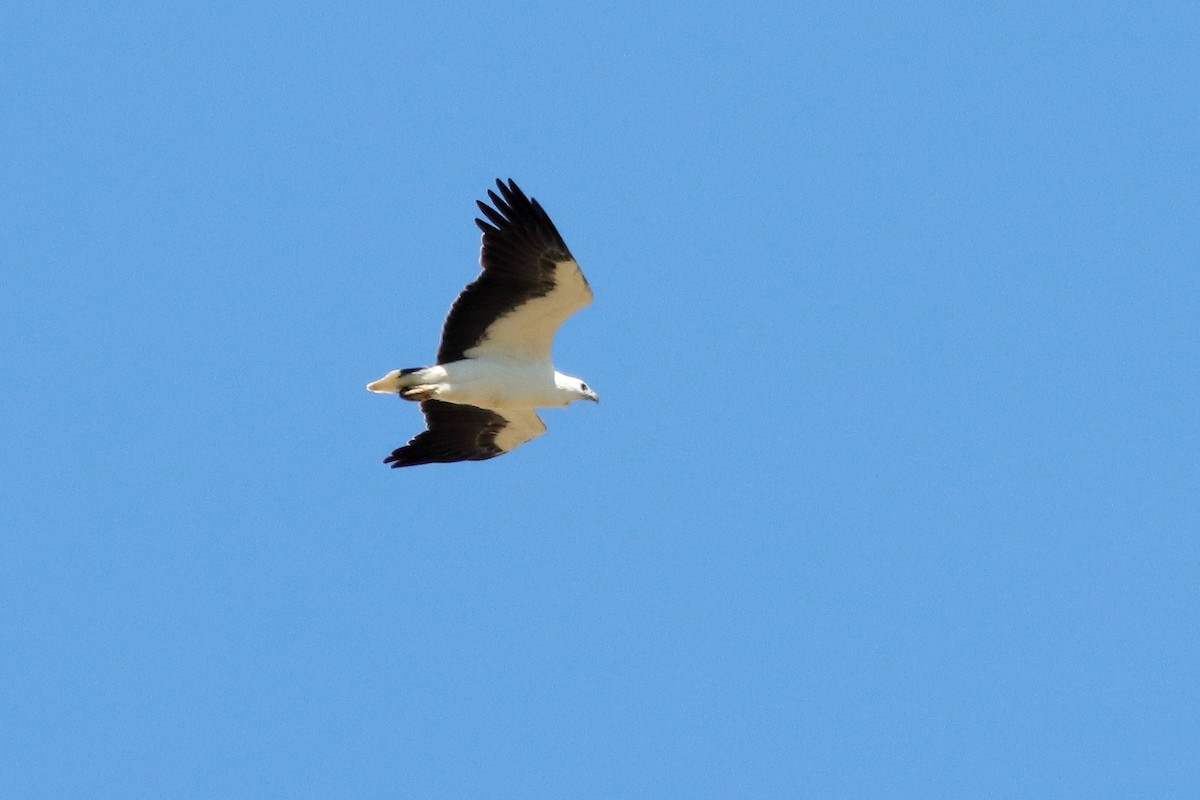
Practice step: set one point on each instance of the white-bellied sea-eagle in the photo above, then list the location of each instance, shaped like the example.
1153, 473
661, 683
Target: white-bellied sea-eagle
493, 367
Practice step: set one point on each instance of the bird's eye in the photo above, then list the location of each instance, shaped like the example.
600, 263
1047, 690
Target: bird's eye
584, 385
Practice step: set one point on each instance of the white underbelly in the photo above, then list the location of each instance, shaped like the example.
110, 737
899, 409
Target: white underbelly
500, 385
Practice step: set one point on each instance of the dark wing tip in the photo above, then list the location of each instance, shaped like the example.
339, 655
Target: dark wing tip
498, 216
511, 197
512, 211
510, 190
400, 457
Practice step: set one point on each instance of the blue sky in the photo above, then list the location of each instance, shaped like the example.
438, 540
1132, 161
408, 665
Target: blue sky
892, 494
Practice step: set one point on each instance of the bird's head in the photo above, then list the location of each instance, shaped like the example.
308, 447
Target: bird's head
574, 389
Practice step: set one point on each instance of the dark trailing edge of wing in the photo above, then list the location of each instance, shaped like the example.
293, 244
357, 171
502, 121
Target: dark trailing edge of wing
456, 433
520, 247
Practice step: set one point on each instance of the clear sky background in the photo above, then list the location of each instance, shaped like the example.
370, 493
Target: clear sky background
892, 492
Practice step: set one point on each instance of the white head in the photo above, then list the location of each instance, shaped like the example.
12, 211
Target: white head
573, 389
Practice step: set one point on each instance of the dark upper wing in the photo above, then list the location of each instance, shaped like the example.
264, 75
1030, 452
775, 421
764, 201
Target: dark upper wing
466, 433
530, 283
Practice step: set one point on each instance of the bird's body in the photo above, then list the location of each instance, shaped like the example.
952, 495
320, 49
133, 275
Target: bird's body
494, 364
484, 382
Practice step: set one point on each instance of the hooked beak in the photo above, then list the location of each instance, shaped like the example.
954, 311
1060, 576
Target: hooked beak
595, 398
388, 384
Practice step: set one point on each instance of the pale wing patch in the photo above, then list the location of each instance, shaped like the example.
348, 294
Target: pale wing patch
528, 331
523, 424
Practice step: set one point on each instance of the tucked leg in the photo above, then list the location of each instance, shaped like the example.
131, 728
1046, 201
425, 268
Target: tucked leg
421, 392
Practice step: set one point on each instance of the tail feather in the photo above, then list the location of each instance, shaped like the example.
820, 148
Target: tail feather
396, 381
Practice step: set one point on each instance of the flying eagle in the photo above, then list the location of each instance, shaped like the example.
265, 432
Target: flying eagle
493, 366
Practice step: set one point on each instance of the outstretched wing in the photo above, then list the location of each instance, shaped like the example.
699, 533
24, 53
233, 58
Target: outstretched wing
530, 283
466, 433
